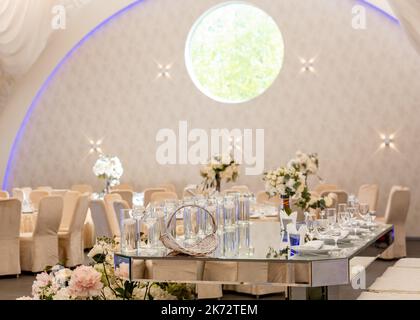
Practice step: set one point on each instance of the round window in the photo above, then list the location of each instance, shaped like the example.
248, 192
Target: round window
234, 52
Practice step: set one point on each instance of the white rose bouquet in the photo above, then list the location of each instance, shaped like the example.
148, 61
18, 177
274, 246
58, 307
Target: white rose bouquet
110, 169
220, 168
307, 164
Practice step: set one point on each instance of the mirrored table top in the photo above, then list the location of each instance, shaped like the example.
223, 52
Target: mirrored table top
347, 249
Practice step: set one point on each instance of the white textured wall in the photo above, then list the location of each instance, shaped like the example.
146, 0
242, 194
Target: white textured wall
366, 82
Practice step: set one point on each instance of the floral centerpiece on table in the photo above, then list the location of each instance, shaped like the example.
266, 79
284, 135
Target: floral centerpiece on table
110, 169
288, 183
220, 168
100, 281
307, 164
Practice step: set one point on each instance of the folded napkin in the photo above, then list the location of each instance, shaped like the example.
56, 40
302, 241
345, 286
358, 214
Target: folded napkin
314, 244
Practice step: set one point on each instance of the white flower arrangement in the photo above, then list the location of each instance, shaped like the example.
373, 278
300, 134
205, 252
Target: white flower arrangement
108, 168
307, 164
284, 181
219, 168
100, 281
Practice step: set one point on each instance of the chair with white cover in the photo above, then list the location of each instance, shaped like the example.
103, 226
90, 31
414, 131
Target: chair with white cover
59, 192
123, 186
36, 195
396, 214
339, 196
71, 241
148, 194
325, 187
118, 206
263, 198
113, 219
10, 213
159, 197
69, 206
241, 188
4, 195
82, 188
40, 248
18, 194
126, 195
169, 187
100, 218
368, 193
45, 188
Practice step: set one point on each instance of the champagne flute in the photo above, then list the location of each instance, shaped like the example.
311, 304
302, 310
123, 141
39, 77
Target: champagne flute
310, 224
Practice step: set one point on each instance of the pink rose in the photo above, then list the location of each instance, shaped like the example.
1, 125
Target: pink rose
85, 282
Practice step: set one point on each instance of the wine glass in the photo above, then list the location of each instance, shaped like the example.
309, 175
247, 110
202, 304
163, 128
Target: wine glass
343, 219
322, 226
364, 210
335, 235
310, 224
352, 218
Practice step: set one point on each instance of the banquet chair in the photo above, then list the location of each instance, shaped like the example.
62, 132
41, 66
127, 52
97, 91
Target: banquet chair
123, 186
18, 194
169, 187
69, 206
100, 219
45, 188
368, 193
325, 187
59, 192
148, 194
113, 219
339, 196
4, 195
36, 195
71, 241
39, 249
126, 195
119, 205
159, 197
396, 214
10, 215
82, 188
263, 198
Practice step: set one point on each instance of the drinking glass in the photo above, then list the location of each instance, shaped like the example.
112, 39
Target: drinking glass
335, 235
353, 215
138, 213
310, 224
343, 219
188, 223
201, 218
229, 212
363, 210
322, 226
243, 207
128, 232
149, 220
244, 241
230, 241
332, 216
342, 207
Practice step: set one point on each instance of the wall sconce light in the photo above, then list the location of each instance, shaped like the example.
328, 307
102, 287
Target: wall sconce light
95, 146
388, 141
307, 65
163, 71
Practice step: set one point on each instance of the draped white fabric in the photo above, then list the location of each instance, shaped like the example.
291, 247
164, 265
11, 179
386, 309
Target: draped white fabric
408, 12
25, 26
